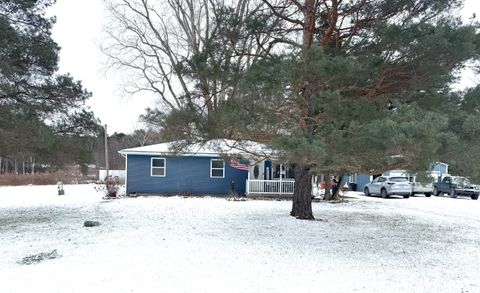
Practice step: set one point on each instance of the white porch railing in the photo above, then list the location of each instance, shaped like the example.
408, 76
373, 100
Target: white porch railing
255, 186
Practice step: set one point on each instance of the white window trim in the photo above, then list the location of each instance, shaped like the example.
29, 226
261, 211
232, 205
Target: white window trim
353, 178
283, 172
164, 167
274, 170
211, 168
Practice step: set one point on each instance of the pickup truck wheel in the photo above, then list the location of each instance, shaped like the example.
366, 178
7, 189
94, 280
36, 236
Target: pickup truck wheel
453, 193
384, 193
428, 194
366, 191
435, 191
406, 196
474, 196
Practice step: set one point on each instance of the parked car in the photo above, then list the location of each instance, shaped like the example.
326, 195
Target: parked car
455, 186
389, 185
420, 187
417, 186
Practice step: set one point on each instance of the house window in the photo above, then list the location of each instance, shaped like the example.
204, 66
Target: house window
158, 167
256, 172
353, 178
217, 168
278, 170
285, 171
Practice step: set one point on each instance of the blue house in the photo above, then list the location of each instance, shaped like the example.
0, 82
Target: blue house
211, 169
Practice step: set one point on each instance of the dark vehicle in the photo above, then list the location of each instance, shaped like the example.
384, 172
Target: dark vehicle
455, 186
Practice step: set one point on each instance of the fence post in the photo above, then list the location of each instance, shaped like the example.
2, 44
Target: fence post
248, 187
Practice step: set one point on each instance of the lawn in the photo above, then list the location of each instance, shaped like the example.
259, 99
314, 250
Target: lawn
176, 244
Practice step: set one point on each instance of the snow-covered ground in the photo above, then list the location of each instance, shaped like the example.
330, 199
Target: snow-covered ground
176, 244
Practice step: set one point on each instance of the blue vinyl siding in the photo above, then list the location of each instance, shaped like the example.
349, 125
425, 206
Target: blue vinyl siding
362, 180
183, 175
442, 168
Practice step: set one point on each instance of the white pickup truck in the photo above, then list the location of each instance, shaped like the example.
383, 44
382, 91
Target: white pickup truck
423, 187
419, 187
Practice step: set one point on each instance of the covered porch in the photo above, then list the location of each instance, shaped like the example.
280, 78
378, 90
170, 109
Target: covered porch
270, 179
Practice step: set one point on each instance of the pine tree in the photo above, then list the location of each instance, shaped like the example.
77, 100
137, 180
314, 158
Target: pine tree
357, 90
38, 107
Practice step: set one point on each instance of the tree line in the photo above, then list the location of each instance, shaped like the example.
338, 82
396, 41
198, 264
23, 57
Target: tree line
118, 141
90, 153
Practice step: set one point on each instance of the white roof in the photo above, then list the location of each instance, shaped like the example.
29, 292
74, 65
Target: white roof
215, 147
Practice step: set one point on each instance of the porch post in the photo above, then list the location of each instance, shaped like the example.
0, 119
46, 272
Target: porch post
281, 185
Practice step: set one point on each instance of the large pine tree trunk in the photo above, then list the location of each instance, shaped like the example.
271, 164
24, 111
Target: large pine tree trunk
327, 195
302, 195
309, 22
335, 193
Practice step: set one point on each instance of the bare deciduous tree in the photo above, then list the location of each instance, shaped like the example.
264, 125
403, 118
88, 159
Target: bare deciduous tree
172, 48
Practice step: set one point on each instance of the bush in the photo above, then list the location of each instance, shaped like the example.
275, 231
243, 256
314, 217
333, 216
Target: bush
112, 184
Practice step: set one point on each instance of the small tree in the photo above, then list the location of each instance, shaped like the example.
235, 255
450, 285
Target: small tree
112, 186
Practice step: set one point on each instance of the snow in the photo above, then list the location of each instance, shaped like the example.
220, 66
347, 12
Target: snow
214, 147
177, 244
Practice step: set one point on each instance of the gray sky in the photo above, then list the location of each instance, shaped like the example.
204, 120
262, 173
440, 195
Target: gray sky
78, 32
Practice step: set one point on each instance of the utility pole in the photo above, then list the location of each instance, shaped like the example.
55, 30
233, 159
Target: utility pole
106, 150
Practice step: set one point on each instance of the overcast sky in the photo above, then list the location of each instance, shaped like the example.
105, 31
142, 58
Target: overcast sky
78, 32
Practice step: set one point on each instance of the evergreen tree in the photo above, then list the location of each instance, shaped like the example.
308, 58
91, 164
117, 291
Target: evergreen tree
365, 89
38, 108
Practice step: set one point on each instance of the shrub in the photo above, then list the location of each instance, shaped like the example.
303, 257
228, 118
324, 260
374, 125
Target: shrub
112, 184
